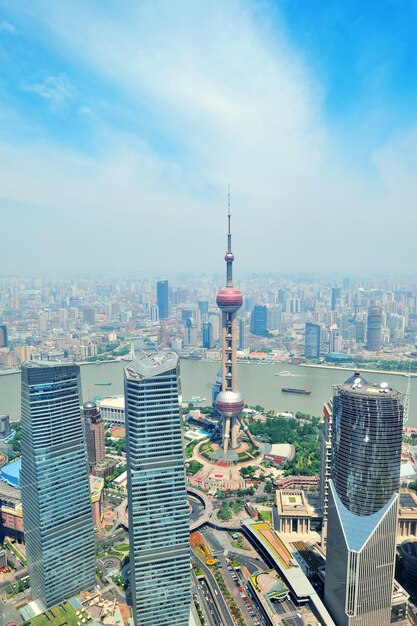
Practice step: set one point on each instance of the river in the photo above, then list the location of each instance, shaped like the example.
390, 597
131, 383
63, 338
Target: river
257, 382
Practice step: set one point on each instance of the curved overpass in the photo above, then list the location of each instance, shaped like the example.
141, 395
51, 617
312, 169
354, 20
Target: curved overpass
122, 517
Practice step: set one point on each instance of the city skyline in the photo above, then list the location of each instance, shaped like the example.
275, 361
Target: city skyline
244, 92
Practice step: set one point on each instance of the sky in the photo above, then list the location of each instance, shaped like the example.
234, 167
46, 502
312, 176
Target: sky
123, 122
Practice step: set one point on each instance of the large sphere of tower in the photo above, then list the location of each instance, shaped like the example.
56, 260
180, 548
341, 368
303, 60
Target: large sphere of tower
229, 403
229, 299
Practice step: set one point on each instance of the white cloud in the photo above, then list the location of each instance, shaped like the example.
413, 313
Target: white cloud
238, 104
58, 90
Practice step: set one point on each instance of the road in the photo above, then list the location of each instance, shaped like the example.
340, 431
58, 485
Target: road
223, 610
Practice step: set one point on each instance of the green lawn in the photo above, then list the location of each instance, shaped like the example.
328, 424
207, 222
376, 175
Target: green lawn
60, 615
122, 547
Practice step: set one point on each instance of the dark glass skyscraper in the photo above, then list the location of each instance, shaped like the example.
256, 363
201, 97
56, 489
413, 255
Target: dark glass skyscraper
162, 299
56, 501
158, 510
363, 502
335, 297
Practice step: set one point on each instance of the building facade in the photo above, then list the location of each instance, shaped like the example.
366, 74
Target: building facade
363, 502
57, 513
157, 504
162, 299
207, 333
312, 339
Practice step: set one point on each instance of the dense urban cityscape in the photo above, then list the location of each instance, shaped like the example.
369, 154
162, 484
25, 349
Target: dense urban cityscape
292, 518
208, 313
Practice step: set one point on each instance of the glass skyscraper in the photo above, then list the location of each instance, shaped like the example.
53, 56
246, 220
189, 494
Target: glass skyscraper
159, 525
57, 513
363, 502
162, 299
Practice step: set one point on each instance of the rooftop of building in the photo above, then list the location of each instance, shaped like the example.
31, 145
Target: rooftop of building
151, 364
360, 386
10, 473
292, 503
113, 402
283, 450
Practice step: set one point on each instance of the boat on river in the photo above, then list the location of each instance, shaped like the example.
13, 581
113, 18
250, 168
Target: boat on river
303, 392
283, 373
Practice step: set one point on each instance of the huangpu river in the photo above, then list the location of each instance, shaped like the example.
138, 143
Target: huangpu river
257, 382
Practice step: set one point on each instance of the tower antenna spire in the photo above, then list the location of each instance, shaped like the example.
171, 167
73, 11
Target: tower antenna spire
229, 258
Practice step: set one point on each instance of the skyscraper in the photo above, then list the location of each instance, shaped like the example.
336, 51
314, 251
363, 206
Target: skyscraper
363, 502
259, 320
374, 332
312, 338
162, 299
207, 335
335, 297
158, 509
56, 501
94, 434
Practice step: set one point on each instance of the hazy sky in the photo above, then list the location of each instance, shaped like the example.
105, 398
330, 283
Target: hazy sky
123, 121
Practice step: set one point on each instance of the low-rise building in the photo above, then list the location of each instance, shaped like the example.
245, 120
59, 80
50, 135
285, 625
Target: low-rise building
113, 410
294, 513
268, 589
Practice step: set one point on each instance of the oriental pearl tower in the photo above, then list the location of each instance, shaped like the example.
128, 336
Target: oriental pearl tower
229, 401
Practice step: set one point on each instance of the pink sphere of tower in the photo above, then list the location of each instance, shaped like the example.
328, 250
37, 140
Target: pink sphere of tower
229, 299
230, 403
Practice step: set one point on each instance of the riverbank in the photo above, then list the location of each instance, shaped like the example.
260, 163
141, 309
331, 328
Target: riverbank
362, 369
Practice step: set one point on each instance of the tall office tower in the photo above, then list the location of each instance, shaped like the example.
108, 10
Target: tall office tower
162, 299
312, 339
374, 331
243, 334
3, 336
56, 501
274, 317
363, 502
5, 430
207, 335
94, 434
335, 297
157, 504
259, 320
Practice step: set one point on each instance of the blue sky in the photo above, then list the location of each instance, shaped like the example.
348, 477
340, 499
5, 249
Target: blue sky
122, 123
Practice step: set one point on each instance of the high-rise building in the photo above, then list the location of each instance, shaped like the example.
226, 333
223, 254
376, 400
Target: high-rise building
334, 339
259, 320
203, 307
162, 299
363, 502
335, 297
312, 339
157, 503
4, 342
374, 329
207, 335
243, 334
57, 513
89, 315
94, 434
190, 332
